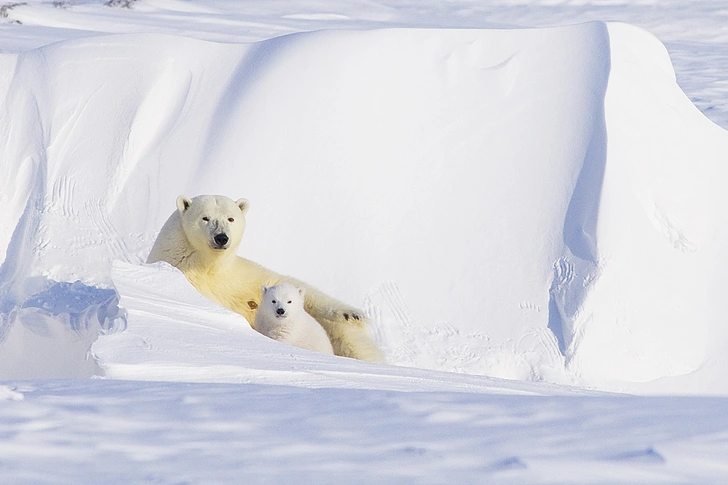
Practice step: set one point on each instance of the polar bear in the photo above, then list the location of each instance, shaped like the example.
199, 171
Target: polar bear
281, 317
201, 239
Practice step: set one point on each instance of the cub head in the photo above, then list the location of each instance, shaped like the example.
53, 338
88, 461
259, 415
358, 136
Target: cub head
282, 300
213, 222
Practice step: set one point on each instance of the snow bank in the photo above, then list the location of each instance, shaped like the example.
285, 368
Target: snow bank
656, 308
174, 333
530, 204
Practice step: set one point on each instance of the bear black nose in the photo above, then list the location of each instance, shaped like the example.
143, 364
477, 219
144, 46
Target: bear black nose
280, 311
221, 239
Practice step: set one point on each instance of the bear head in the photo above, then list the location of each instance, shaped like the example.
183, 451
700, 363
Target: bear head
282, 300
213, 223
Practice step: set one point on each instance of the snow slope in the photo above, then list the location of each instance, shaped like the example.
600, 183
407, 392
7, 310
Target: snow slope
547, 230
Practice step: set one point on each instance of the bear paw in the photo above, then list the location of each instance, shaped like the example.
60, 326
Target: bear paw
352, 315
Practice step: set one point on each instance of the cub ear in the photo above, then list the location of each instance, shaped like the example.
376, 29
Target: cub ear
264, 288
302, 291
243, 204
183, 203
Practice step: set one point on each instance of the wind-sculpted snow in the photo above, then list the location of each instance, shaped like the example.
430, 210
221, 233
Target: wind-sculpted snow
537, 204
51, 332
97, 431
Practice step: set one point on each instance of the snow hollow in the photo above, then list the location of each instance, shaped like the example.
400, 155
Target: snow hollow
533, 204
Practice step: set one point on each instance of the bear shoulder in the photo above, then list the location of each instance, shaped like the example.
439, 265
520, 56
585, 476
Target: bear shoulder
171, 244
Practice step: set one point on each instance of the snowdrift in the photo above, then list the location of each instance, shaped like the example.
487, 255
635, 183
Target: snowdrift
540, 204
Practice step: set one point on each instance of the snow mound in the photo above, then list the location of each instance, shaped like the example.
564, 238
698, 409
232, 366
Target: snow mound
540, 204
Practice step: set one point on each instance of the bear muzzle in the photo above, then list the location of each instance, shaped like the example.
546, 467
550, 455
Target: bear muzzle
280, 312
220, 241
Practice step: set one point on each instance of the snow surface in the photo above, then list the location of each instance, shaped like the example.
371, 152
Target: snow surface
527, 215
170, 433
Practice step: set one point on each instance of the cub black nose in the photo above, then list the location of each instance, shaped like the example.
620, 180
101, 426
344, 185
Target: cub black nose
221, 239
280, 311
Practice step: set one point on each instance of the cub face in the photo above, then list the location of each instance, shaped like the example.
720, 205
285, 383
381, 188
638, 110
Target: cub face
282, 300
213, 222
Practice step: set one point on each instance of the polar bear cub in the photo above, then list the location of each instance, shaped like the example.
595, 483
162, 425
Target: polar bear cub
281, 316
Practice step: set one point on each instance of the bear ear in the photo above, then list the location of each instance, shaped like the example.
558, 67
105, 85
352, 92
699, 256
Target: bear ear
302, 291
243, 204
264, 288
183, 203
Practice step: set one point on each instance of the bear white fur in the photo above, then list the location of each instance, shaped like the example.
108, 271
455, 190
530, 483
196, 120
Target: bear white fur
281, 317
201, 239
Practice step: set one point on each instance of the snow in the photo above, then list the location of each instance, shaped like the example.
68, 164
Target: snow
531, 217
125, 432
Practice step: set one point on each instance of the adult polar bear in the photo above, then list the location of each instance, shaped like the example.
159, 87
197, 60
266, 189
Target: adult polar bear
201, 239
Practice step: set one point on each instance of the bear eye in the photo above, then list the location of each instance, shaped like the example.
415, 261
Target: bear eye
274, 302
230, 219
289, 302
206, 219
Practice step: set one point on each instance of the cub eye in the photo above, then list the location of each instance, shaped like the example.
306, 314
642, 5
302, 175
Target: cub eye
274, 302
289, 302
206, 219
230, 219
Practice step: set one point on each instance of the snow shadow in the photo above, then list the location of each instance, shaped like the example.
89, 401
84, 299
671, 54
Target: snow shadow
577, 269
49, 334
250, 68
